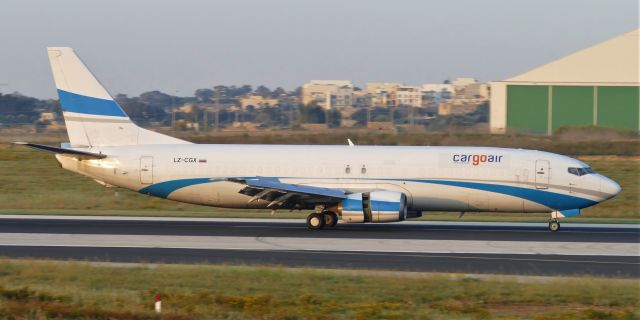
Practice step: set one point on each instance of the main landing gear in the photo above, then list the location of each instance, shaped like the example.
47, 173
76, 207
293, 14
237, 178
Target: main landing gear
317, 221
554, 225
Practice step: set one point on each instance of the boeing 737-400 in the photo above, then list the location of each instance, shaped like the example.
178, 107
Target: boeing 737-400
355, 184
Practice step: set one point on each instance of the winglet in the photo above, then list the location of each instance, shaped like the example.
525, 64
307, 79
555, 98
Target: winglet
350, 142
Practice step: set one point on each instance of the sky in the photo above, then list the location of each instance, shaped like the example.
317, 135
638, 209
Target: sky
179, 46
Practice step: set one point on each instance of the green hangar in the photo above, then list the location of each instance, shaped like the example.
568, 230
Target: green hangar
598, 86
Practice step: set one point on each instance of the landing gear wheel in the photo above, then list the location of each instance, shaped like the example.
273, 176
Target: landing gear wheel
330, 219
316, 221
554, 225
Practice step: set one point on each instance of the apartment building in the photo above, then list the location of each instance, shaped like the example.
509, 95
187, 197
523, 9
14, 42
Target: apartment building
439, 90
383, 94
409, 96
329, 94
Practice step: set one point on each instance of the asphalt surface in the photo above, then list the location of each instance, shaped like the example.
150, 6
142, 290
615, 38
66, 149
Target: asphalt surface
521, 249
273, 228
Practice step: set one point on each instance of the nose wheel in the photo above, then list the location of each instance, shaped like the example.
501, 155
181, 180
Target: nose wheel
554, 225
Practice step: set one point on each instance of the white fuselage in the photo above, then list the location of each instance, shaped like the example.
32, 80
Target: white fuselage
466, 179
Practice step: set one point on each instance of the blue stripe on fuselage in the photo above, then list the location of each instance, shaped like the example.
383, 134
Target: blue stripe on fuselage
556, 201
550, 199
164, 189
73, 102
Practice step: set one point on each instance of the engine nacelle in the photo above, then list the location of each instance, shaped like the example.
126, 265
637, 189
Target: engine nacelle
377, 206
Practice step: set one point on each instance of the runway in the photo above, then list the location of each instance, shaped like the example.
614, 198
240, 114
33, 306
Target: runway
492, 248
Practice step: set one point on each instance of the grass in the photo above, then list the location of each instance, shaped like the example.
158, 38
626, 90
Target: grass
33, 183
49, 289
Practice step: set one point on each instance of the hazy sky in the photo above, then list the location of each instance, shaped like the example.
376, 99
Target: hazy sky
135, 46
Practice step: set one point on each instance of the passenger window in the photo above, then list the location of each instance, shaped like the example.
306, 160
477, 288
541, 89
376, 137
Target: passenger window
363, 170
347, 170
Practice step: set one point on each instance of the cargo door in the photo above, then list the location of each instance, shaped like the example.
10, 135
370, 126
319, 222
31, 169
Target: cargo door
542, 174
146, 170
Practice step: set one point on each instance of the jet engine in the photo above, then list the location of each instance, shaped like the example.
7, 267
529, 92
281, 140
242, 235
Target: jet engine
376, 206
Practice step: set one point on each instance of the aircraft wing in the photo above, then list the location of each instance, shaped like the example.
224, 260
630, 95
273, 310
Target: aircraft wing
79, 154
286, 194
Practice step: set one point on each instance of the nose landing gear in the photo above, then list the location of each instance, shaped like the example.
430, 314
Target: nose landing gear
554, 225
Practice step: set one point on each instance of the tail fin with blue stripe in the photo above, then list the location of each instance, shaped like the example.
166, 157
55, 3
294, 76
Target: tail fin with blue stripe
93, 118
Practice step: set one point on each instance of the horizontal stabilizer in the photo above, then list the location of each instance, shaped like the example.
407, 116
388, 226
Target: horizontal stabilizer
79, 154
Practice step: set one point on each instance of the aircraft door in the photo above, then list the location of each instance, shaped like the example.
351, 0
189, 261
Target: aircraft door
542, 174
146, 170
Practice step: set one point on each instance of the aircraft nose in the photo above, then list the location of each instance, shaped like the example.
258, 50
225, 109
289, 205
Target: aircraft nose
609, 187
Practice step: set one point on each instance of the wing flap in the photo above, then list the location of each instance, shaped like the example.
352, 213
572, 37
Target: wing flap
279, 194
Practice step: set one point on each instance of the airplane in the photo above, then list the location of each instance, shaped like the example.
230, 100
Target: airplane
352, 183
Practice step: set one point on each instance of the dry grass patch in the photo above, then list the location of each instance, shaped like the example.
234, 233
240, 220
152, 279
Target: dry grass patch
46, 289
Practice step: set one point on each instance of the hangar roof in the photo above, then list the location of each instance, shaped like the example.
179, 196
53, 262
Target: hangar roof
613, 61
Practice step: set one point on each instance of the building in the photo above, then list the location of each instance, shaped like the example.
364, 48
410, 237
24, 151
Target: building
461, 83
438, 90
477, 91
188, 108
47, 116
383, 93
257, 102
457, 107
361, 99
596, 86
329, 94
408, 96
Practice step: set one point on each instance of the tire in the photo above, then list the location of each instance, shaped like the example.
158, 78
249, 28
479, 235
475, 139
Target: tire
554, 226
316, 221
330, 219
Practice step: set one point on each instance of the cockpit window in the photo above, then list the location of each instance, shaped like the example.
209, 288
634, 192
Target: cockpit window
580, 171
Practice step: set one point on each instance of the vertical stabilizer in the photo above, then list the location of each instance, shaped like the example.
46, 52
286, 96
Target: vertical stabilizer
93, 118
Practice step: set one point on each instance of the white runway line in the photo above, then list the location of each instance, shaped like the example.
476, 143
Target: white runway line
565, 224
325, 244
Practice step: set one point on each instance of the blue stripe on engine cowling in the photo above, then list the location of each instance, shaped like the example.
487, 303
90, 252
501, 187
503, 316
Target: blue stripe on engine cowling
385, 206
571, 212
73, 102
352, 205
356, 205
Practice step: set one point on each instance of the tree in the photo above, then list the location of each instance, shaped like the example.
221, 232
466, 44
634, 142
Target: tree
17, 108
335, 118
297, 92
278, 92
141, 111
220, 90
157, 99
245, 90
312, 113
263, 91
360, 117
204, 95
